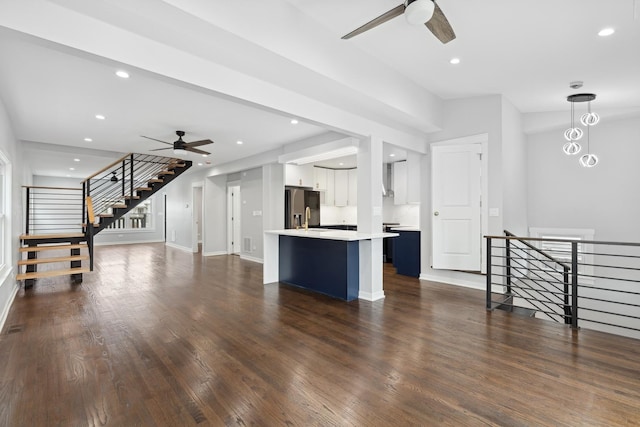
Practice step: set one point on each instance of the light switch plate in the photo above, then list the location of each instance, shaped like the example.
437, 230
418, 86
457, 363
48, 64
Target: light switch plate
494, 212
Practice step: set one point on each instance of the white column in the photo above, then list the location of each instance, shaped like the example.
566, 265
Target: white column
370, 217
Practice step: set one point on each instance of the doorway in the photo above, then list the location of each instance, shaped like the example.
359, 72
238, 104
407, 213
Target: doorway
458, 217
233, 219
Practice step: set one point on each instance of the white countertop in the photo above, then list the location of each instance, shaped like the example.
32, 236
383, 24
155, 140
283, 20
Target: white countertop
325, 233
406, 228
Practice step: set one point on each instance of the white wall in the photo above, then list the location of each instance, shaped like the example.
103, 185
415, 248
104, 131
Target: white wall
180, 209
514, 171
10, 148
215, 216
251, 203
605, 198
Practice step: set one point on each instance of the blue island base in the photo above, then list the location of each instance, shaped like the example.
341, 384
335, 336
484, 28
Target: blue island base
327, 266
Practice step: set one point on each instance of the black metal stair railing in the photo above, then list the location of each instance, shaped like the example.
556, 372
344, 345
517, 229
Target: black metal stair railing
591, 284
53, 210
532, 278
125, 183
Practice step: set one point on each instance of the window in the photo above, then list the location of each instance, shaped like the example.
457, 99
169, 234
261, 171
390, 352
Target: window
137, 219
562, 250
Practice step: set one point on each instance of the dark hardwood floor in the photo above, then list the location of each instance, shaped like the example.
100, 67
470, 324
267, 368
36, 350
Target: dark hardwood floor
159, 337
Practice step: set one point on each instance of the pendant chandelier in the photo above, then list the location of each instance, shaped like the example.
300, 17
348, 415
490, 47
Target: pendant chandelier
574, 133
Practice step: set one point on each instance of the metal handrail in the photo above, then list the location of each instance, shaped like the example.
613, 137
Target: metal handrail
602, 291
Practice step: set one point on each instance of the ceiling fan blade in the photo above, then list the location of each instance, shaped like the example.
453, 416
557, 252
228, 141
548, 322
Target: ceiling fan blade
153, 139
396, 11
439, 26
158, 149
195, 150
199, 143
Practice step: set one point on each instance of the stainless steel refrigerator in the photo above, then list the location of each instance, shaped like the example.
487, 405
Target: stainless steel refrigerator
296, 199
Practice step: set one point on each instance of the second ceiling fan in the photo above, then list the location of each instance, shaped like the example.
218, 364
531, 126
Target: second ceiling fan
416, 12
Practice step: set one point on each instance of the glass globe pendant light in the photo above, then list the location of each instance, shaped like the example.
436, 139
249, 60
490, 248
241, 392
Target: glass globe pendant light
572, 135
589, 118
588, 160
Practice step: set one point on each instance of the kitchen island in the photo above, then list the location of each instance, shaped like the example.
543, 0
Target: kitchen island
322, 260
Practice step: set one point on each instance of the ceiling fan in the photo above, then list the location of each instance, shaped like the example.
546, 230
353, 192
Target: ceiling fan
180, 146
417, 12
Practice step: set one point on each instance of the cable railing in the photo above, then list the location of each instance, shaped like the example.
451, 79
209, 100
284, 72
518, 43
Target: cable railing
589, 284
53, 210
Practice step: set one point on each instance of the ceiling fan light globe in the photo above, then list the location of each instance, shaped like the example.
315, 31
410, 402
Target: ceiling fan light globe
180, 152
419, 11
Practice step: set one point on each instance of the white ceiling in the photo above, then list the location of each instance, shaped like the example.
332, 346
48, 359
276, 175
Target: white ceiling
54, 78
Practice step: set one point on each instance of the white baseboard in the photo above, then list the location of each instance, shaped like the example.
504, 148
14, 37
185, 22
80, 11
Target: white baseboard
250, 258
216, 253
368, 296
179, 247
481, 283
126, 242
7, 307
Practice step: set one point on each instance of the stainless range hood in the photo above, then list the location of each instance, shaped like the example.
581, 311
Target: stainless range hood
387, 180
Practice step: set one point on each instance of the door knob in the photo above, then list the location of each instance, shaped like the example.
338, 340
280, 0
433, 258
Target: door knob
436, 213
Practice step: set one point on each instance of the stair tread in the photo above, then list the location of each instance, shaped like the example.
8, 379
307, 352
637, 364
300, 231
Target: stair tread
132, 197
52, 247
52, 273
155, 180
105, 215
142, 189
50, 236
53, 259
166, 173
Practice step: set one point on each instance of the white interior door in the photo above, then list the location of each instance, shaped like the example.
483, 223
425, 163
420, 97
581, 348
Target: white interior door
456, 214
233, 226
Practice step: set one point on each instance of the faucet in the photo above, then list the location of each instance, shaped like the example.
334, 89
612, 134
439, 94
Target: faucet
307, 216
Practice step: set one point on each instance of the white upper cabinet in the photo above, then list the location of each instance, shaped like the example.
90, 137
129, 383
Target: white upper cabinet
299, 175
329, 194
341, 189
400, 183
320, 179
352, 177
406, 180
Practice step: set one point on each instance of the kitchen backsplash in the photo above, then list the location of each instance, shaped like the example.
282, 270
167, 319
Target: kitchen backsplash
402, 214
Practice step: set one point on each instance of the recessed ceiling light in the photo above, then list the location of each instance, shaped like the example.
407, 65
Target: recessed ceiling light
88, 140
100, 117
68, 176
294, 122
122, 74
205, 155
199, 164
392, 155
606, 32
72, 169
239, 142
454, 61
76, 160
340, 164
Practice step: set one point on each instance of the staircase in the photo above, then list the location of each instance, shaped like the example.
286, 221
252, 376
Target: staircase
61, 222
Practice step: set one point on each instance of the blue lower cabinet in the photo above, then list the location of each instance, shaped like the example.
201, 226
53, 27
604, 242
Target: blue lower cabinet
406, 253
327, 266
